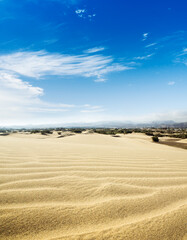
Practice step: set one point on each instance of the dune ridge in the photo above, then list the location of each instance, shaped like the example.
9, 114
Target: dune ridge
91, 187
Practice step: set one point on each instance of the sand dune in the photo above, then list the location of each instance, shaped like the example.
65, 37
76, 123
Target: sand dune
91, 187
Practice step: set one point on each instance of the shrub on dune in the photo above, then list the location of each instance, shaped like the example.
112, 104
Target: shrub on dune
155, 139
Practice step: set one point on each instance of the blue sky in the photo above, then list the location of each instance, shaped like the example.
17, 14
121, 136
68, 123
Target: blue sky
80, 61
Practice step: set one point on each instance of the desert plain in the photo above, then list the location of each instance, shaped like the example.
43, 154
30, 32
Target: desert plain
91, 187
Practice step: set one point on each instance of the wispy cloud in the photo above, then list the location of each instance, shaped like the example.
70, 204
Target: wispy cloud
181, 57
44, 110
80, 12
10, 81
100, 80
20, 100
90, 16
50, 41
184, 52
144, 57
83, 13
172, 45
20, 94
92, 109
171, 83
41, 63
173, 39
151, 45
145, 36
94, 50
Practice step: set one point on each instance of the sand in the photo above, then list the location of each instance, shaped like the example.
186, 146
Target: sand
91, 187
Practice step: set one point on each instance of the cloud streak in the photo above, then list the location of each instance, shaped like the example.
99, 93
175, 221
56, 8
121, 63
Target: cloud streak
95, 49
145, 36
12, 82
151, 45
21, 103
144, 57
171, 83
21, 100
80, 12
41, 63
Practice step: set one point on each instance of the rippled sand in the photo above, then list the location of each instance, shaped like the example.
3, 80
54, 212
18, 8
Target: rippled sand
91, 187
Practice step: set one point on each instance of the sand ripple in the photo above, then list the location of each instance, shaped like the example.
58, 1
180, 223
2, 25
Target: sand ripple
91, 187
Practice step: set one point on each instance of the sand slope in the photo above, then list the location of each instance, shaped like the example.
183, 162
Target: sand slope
91, 187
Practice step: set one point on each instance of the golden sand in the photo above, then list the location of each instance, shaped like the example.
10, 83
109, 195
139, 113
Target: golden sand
91, 187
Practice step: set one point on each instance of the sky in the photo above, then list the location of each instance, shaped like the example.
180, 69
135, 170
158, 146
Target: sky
87, 61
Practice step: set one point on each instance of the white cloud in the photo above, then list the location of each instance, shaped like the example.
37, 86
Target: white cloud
94, 50
59, 105
12, 82
100, 80
18, 95
182, 57
92, 110
21, 101
90, 16
184, 52
144, 57
145, 36
83, 13
48, 110
171, 83
151, 45
88, 106
80, 12
41, 63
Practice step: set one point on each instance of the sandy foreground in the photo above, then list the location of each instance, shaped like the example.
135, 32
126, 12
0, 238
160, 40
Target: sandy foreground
91, 187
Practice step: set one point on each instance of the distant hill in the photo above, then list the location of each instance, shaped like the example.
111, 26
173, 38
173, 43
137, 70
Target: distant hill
113, 124
180, 125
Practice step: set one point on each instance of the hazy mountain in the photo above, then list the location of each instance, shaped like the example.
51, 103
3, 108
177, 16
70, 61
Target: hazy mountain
113, 124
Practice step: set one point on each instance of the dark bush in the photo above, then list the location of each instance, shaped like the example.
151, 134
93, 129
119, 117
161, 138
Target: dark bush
106, 131
159, 135
77, 130
120, 131
45, 132
34, 131
127, 131
149, 133
155, 139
